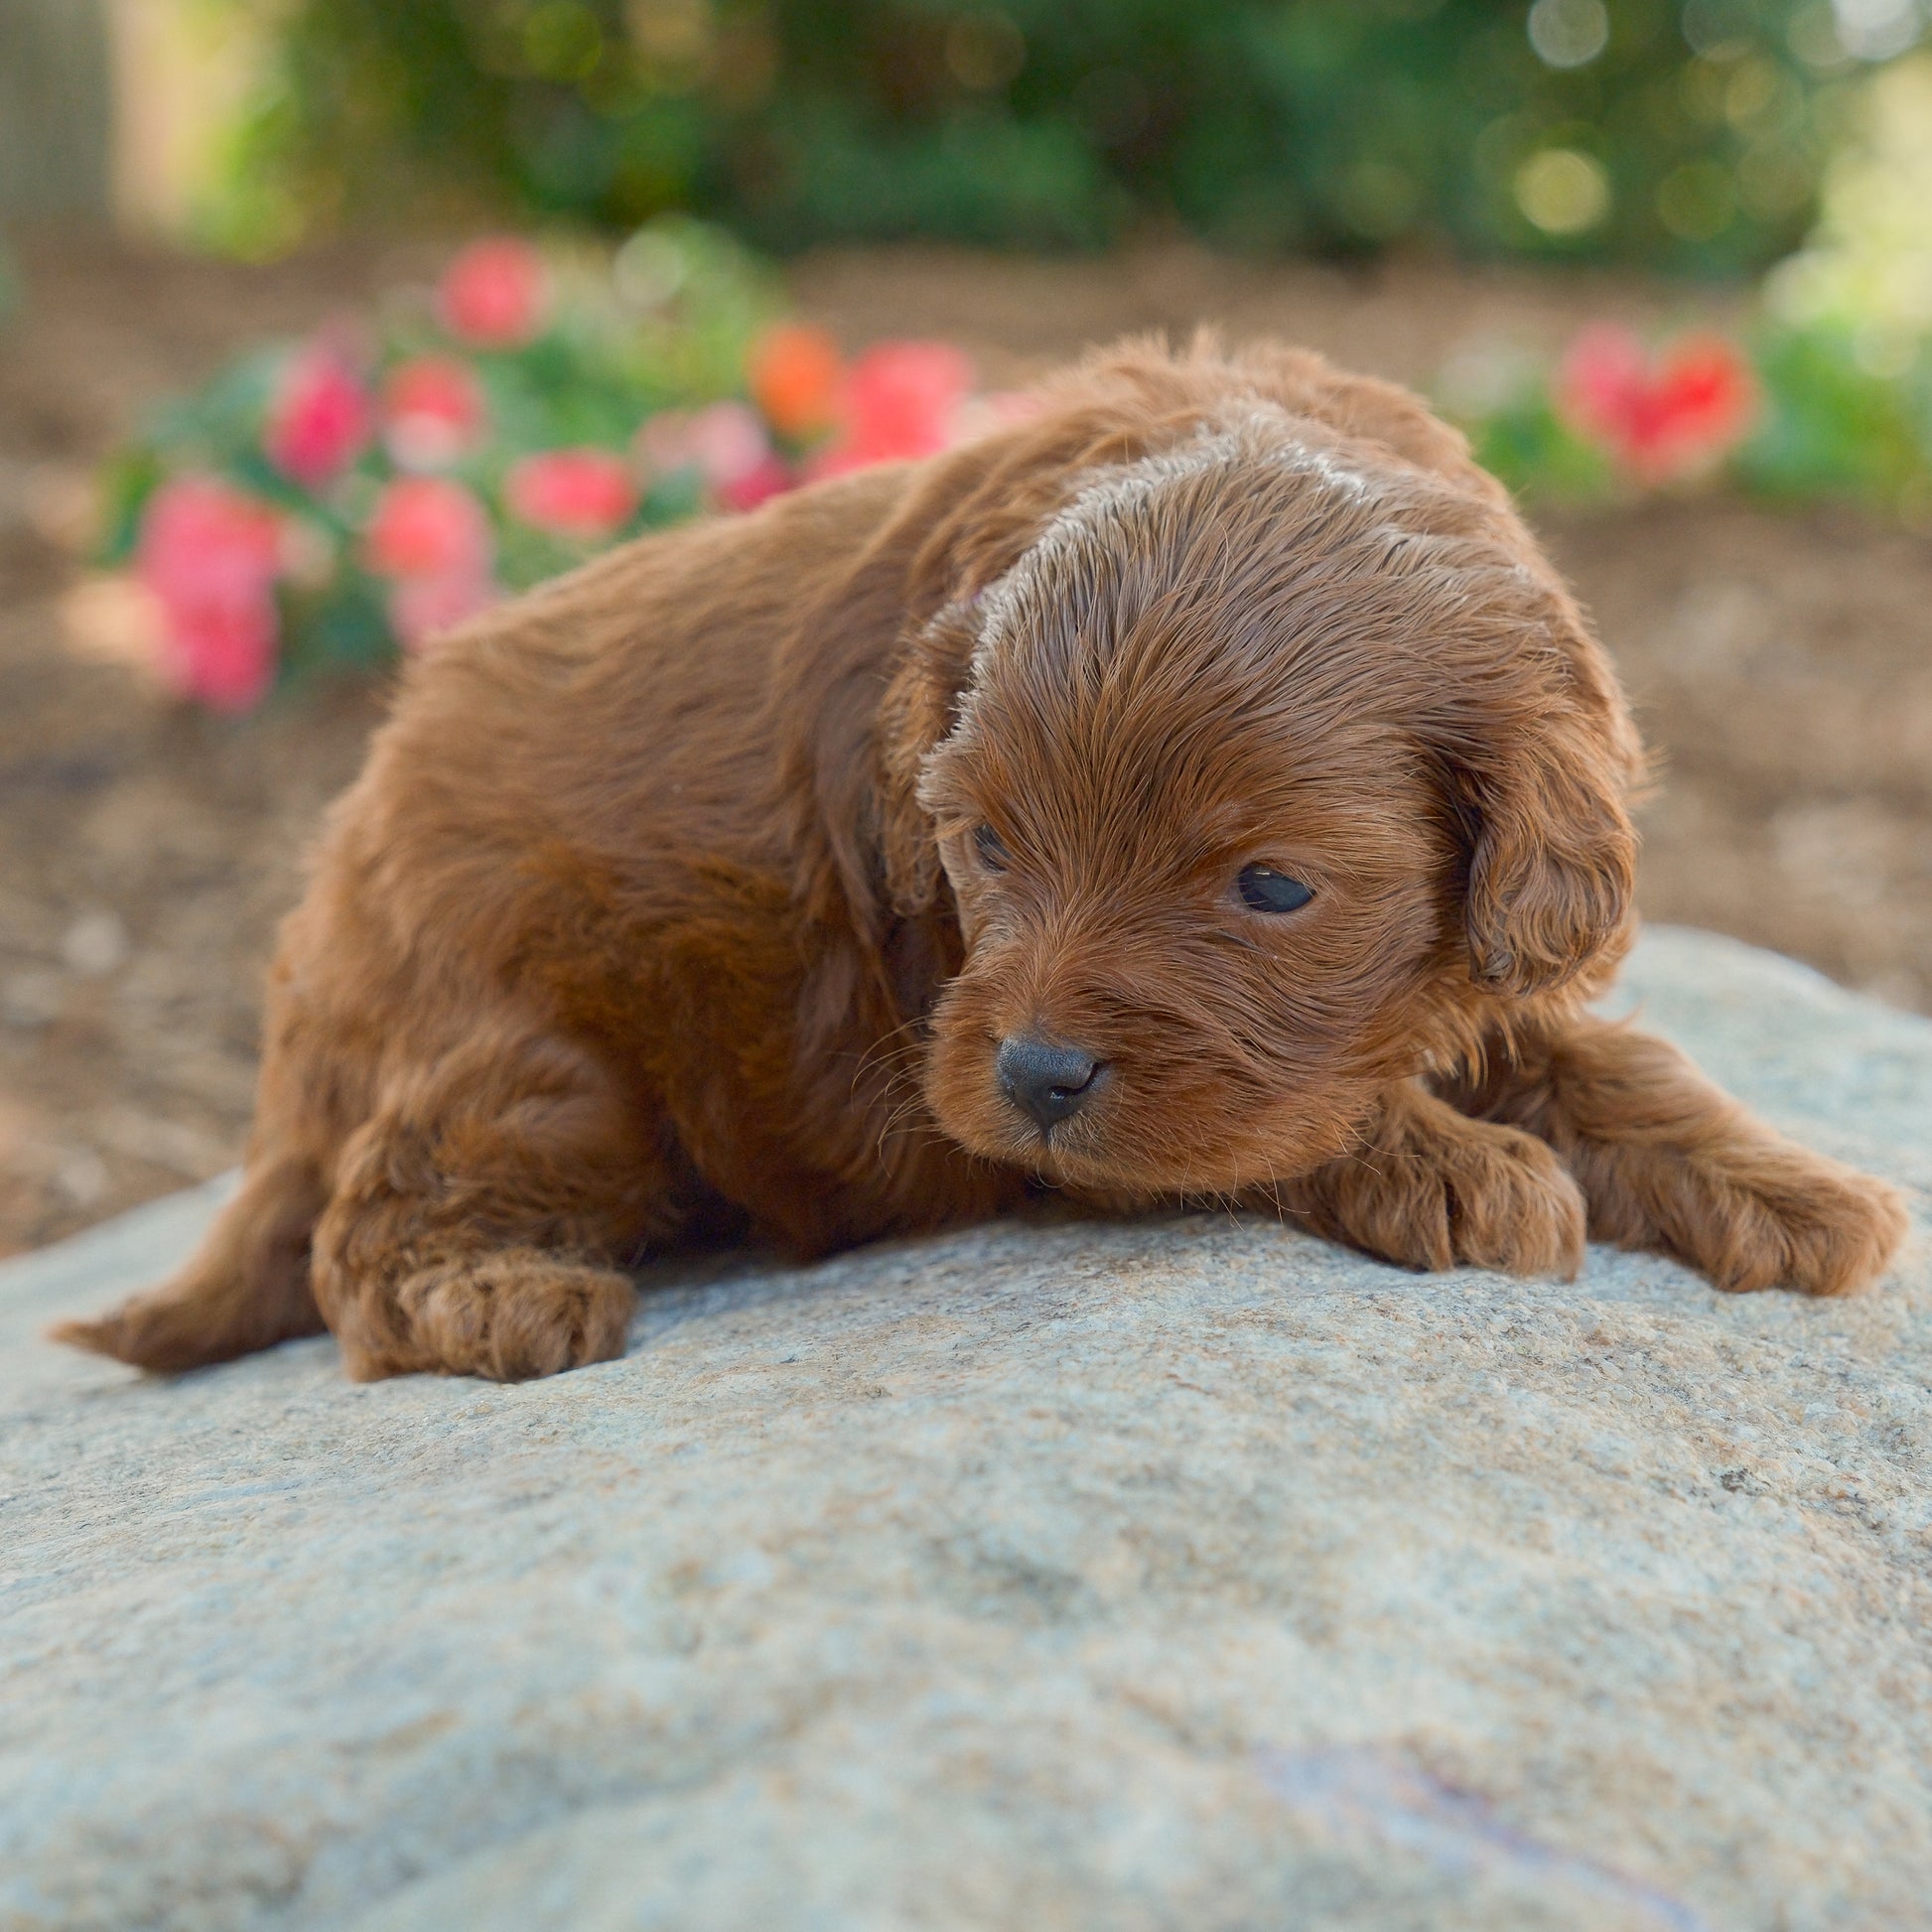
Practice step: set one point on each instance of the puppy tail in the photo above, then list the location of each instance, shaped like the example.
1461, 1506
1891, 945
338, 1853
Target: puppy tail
246, 1286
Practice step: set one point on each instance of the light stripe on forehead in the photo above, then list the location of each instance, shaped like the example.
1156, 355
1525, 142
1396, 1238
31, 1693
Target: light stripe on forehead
1263, 437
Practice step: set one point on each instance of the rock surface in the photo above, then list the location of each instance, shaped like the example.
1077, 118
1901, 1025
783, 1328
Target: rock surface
1188, 1574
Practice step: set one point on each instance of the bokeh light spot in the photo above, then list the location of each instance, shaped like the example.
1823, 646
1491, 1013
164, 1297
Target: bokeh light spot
1569, 33
1813, 37
1877, 29
1563, 192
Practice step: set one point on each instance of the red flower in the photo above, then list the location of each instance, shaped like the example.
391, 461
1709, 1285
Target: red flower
758, 485
432, 412
795, 375
428, 526
421, 609
210, 554
582, 495
319, 419
1661, 420
902, 399
494, 294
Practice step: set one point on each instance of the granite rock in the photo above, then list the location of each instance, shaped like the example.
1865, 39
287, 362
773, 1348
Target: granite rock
1184, 1574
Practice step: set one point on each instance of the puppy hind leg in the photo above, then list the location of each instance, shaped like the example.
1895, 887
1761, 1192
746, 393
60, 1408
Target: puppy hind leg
478, 1215
1670, 1162
245, 1287
1429, 1188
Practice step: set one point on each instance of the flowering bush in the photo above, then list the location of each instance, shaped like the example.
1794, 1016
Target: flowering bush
1827, 392
325, 503
1785, 412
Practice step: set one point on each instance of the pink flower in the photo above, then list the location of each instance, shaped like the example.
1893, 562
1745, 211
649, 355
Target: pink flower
224, 653
582, 495
726, 443
421, 609
434, 412
900, 400
429, 526
433, 537
729, 443
319, 419
770, 479
208, 553
1660, 420
494, 294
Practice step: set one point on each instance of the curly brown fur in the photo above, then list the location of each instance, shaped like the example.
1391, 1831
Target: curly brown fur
664, 898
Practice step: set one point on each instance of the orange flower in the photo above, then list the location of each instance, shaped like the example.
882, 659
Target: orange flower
794, 373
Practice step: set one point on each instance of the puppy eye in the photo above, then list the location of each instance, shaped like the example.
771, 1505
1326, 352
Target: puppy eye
992, 855
1264, 889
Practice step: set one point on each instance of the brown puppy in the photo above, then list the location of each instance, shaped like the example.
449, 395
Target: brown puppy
1204, 790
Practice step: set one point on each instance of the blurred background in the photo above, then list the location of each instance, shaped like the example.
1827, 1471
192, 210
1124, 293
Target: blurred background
326, 322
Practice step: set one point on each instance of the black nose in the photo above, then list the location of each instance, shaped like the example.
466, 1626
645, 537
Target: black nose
1049, 1083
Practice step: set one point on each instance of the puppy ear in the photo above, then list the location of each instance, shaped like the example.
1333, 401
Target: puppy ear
873, 680
1542, 762
917, 711
1552, 868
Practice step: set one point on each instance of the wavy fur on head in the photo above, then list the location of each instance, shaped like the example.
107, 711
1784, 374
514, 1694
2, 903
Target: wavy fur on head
704, 889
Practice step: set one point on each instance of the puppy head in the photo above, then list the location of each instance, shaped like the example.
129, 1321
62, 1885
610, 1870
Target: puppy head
1270, 767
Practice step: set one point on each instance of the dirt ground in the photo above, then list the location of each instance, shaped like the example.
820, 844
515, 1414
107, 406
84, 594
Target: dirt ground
1781, 664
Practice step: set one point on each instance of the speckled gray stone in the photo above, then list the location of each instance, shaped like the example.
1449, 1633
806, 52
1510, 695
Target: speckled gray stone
1187, 1574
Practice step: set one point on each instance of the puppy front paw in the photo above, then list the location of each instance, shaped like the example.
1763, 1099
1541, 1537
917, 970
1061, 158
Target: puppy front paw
511, 1316
1437, 1189
1514, 1207
1778, 1216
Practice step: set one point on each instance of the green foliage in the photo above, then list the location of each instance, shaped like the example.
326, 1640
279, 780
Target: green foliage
1528, 445
1689, 134
1835, 429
